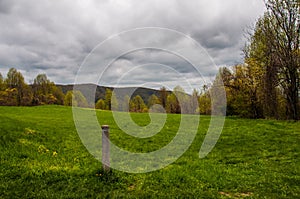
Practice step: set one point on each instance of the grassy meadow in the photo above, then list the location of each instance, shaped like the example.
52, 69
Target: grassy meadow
43, 157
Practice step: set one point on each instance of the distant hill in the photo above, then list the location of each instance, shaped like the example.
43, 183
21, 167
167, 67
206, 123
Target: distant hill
87, 89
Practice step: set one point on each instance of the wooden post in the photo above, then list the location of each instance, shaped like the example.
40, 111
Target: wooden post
105, 148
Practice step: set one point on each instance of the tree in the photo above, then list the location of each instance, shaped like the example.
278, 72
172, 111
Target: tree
58, 94
9, 97
286, 25
114, 102
17, 92
204, 103
68, 99
75, 98
137, 104
108, 94
194, 102
100, 104
153, 99
163, 94
172, 105
126, 103
43, 90
183, 99
2, 84
241, 90
27, 96
15, 80
259, 56
43, 83
278, 32
154, 104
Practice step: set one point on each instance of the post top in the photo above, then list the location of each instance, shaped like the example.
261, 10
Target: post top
104, 126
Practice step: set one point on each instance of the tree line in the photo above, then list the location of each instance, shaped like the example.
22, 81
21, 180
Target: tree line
267, 84
243, 86
14, 91
171, 102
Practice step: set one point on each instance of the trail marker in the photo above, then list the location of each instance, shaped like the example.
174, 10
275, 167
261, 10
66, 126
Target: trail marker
105, 148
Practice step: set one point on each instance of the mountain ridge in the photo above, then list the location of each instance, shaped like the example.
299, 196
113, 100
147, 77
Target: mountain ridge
89, 88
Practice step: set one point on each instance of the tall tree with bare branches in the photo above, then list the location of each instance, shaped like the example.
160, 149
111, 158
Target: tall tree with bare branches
284, 22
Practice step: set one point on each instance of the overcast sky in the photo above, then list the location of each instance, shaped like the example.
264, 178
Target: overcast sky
55, 37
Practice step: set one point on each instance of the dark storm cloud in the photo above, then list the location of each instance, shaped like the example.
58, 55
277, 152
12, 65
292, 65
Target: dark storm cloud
54, 37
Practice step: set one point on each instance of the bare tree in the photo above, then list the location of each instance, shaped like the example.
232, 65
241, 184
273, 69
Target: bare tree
284, 22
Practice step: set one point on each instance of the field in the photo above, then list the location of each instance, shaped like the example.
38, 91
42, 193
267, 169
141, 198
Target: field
43, 157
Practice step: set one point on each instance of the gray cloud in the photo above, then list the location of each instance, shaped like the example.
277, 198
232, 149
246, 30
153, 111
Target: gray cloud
54, 37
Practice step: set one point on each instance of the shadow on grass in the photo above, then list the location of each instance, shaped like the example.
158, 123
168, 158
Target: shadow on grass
107, 176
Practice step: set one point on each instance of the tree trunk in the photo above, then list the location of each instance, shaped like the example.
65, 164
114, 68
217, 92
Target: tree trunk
293, 98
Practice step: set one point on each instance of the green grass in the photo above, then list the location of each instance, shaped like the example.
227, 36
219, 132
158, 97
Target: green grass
43, 157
